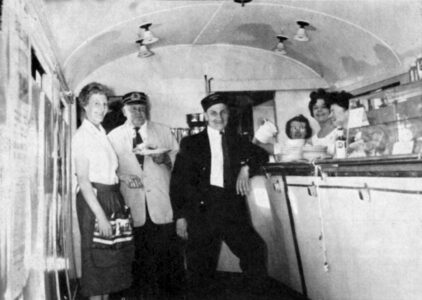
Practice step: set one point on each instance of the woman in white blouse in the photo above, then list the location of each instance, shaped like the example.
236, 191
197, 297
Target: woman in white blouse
103, 270
319, 108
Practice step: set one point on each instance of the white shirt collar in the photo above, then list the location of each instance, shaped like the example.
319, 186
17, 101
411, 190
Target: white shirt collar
130, 126
142, 130
213, 132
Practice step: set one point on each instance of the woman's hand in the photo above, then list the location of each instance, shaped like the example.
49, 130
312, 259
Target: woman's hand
132, 181
104, 226
242, 183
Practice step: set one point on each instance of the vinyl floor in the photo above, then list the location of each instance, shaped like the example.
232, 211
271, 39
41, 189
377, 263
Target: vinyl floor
228, 286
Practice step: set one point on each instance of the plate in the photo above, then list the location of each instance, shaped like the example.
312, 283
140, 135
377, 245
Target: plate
310, 156
153, 151
316, 148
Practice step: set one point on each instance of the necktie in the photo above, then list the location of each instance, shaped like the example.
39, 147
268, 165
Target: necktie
138, 140
226, 160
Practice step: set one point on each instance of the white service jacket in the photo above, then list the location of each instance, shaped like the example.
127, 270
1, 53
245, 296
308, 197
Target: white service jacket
155, 177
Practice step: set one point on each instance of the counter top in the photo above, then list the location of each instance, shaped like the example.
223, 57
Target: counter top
397, 166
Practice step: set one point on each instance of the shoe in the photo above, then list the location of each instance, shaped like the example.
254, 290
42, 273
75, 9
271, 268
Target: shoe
258, 286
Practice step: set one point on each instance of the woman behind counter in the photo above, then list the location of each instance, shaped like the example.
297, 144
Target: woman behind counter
297, 129
319, 108
340, 108
103, 270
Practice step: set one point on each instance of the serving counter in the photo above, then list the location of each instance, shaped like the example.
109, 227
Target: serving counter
348, 229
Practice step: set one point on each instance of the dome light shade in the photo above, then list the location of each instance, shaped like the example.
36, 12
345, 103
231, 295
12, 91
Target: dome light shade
143, 50
280, 48
301, 32
242, 1
147, 34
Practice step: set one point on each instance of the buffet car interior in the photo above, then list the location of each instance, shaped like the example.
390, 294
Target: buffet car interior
335, 227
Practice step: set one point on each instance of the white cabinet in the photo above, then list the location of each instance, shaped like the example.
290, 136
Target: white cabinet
376, 239
369, 238
284, 243
308, 231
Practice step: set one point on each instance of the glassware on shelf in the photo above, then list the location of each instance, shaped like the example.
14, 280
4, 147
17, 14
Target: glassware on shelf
413, 73
340, 144
393, 126
195, 120
419, 66
180, 133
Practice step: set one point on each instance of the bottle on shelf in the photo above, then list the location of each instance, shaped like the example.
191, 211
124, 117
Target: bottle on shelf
419, 66
370, 106
340, 144
413, 73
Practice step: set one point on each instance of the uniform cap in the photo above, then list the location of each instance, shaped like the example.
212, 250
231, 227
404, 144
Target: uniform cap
135, 98
213, 99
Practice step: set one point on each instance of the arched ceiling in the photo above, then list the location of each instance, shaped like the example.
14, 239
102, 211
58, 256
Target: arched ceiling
351, 42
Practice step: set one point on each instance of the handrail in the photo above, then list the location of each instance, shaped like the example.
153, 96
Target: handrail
397, 166
343, 187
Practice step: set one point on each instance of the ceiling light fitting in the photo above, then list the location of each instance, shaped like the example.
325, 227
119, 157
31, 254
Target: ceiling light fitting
242, 1
146, 34
301, 32
280, 46
143, 49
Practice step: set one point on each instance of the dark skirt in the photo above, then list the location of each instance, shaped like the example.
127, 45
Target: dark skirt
103, 270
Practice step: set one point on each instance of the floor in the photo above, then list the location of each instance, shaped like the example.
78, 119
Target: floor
230, 286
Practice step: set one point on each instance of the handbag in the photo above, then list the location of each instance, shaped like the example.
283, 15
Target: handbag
122, 231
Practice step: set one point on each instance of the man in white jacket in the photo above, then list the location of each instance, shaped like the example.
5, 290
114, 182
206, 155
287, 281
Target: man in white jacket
148, 149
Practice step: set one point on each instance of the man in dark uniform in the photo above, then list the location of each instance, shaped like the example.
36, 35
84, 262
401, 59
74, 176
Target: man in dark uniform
208, 184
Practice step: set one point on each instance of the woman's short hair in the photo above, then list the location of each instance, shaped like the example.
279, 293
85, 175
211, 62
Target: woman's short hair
341, 99
301, 119
319, 94
91, 89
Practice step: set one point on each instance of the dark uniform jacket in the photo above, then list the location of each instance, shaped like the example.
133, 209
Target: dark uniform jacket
190, 179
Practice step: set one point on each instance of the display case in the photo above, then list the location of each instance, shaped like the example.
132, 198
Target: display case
386, 123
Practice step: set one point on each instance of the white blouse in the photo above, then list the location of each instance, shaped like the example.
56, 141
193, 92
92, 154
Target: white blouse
92, 143
329, 140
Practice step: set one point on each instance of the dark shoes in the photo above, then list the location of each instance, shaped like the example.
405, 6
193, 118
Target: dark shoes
203, 289
257, 285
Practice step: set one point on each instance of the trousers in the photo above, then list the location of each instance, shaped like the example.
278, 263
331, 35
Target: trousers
159, 265
223, 217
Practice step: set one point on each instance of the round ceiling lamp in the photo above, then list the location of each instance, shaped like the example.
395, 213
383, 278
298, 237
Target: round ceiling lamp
301, 32
146, 34
280, 48
242, 1
143, 49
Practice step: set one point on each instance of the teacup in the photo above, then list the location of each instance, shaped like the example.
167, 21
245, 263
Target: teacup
266, 132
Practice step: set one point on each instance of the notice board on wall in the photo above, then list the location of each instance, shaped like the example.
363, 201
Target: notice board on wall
19, 167
29, 226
